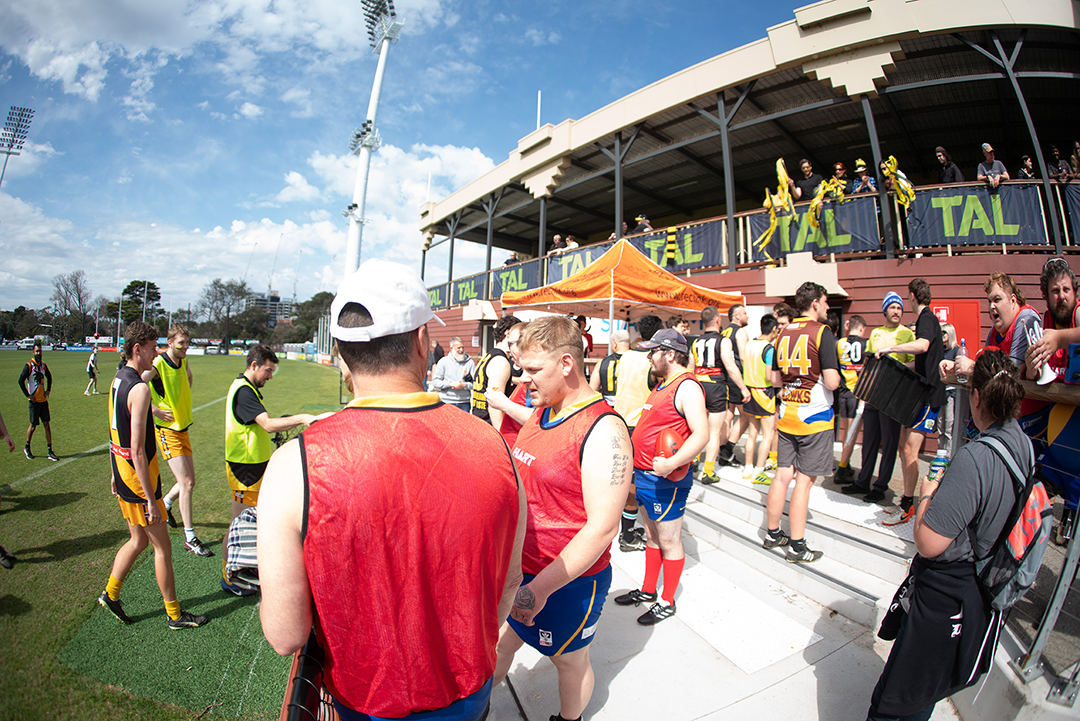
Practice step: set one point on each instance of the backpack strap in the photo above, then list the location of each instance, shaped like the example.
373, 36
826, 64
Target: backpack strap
1020, 483
1000, 449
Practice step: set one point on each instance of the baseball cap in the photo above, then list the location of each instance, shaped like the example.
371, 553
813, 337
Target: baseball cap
667, 338
392, 294
860, 165
986, 148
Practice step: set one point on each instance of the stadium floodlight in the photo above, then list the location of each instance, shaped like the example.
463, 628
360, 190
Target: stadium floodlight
13, 136
383, 31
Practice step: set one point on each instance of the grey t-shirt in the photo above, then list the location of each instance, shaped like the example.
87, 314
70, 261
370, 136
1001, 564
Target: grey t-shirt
977, 493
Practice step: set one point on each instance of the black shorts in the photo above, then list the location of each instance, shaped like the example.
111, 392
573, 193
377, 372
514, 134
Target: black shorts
92, 374
734, 395
39, 412
849, 404
716, 393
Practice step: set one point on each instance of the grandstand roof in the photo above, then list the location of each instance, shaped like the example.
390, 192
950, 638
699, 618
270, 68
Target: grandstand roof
931, 73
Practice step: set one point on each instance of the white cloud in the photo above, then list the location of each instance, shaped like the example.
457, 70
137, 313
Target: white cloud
33, 157
73, 41
539, 37
296, 189
301, 97
249, 111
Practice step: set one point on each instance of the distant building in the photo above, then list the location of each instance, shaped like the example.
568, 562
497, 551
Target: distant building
275, 306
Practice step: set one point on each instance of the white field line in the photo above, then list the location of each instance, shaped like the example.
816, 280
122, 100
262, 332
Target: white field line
225, 675
50, 468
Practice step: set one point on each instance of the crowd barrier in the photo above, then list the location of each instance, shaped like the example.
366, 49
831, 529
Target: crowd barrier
954, 216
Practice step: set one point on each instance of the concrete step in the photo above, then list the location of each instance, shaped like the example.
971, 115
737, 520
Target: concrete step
857, 595
882, 554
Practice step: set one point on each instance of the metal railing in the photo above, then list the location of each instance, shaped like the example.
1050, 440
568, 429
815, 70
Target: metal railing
972, 220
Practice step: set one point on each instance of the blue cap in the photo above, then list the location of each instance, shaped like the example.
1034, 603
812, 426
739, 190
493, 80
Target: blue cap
892, 297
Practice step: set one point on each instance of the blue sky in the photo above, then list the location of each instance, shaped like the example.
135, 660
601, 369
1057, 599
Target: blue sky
186, 140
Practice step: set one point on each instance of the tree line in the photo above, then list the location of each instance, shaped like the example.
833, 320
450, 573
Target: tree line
221, 312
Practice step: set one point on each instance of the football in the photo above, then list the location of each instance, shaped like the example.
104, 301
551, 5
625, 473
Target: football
668, 444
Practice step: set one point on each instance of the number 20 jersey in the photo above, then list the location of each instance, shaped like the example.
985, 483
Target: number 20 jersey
804, 350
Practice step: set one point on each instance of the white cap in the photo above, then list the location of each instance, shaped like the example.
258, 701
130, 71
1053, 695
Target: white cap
392, 293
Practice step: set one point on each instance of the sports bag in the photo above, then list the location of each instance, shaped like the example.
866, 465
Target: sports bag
1010, 568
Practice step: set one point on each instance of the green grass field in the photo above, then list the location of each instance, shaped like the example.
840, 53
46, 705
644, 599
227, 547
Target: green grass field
63, 656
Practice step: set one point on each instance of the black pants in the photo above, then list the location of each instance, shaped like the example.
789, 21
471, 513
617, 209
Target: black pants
879, 431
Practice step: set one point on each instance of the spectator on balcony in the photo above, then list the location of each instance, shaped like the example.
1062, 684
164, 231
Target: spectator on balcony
886, 179
615, 236
991, 171
643, 225
571, 243
1074, 161
1056, 167
558, 246
1027, 169
864, 182
840, 173
948, 172
512, 259
805, 187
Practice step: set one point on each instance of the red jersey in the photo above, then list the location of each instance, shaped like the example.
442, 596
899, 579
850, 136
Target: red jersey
409, 529
510, 428
548, 456
658, 413
1016, 347
1058, 362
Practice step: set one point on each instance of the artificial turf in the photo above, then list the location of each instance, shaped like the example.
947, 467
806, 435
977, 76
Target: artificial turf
63, 656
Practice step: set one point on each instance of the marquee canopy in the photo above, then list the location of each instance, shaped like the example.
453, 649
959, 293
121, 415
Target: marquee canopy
623, 284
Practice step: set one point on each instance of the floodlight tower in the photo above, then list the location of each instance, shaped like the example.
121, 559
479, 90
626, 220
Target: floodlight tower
13, 135
383, 30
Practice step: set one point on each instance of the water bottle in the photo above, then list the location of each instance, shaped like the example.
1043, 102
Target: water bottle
938, 465
961, 353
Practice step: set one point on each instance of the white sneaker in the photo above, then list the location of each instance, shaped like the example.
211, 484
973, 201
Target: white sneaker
747, 472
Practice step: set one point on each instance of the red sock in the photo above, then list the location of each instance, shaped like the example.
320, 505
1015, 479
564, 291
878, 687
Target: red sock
653, 561
672, 574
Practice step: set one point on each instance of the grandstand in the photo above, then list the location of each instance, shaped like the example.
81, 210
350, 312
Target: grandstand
845, 79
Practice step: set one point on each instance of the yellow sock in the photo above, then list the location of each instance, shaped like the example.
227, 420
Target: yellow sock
708, 466
843, 465
173, 609
113, 587
772, 455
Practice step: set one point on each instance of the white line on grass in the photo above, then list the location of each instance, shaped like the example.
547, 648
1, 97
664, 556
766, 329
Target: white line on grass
225, 675
77, 456
251, 673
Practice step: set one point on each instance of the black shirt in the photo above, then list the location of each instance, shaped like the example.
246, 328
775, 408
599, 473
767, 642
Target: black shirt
247, 405
926, 364
808, 186
950, 174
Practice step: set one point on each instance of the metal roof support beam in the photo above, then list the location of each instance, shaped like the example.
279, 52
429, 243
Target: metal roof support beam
883, 195
1007, 63
919, 155
452, 225
582, 209
729, 172
616, 155
490, 203
423, 263
543, 226
773, 117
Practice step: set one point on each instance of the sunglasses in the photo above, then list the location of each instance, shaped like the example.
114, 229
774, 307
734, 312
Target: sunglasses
1055, 261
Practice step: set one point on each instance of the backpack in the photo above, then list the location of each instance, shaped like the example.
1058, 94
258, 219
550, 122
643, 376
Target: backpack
1012, 565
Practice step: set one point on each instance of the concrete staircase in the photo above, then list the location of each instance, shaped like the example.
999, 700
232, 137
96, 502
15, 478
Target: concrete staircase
863, 560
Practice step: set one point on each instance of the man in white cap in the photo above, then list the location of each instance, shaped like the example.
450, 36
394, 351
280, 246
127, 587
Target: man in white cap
409, 577
991, 170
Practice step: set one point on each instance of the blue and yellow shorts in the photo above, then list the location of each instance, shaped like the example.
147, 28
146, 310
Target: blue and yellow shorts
568, 620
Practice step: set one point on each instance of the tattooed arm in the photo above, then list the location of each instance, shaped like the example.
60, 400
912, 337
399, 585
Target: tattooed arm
606, 470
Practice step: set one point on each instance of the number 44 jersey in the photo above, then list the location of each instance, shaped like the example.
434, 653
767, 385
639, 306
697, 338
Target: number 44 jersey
804, 350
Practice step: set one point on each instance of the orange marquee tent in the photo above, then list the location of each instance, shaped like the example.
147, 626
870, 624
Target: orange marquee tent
623, 284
